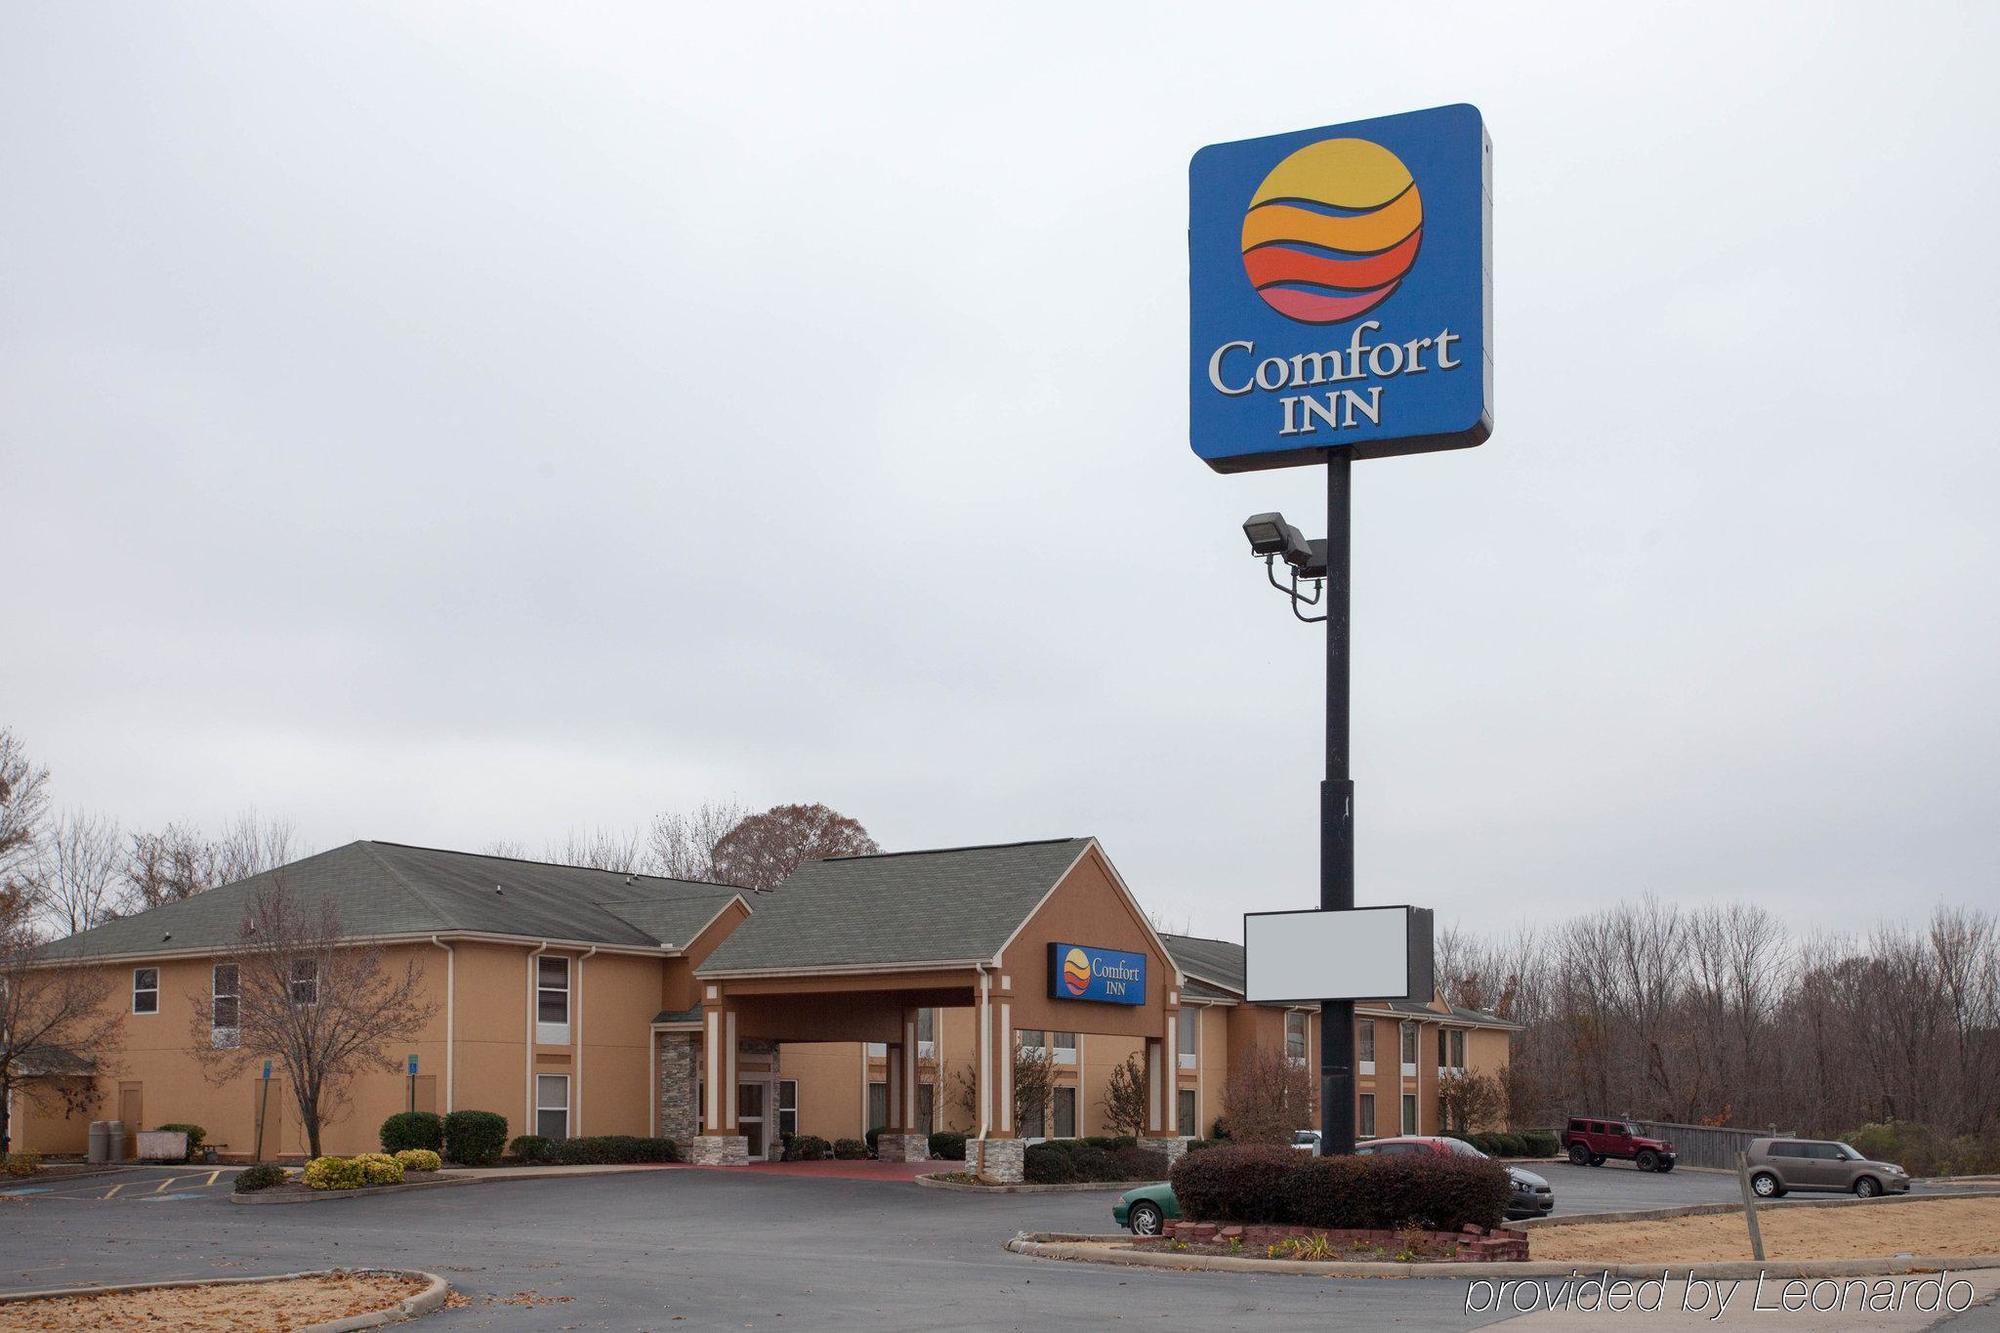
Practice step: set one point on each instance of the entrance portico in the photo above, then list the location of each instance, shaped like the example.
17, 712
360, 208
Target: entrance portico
855, 946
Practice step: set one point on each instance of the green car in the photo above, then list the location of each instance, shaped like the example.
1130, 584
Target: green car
1146, 1209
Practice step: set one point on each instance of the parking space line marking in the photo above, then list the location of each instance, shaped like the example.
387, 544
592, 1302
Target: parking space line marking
211, 1179
112, 1193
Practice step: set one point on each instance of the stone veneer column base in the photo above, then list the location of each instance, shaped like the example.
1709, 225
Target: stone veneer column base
1173, 1149
902, 1147
997, 1159
720, 1150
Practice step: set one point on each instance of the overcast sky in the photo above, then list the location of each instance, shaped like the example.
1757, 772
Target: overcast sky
445, 423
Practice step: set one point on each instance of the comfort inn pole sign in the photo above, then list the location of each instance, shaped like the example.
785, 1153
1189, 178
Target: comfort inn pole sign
1341, 293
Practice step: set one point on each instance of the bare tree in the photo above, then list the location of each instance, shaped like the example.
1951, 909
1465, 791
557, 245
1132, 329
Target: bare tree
77, 870
1471, 1101
323, 1009
1126, 1103
1034, 1085
1269, 1096
599, 849
763, 850
55, 1023
24, 801
180, 861
682, 843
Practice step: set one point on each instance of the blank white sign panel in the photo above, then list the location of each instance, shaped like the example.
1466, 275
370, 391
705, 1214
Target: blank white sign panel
1362, 953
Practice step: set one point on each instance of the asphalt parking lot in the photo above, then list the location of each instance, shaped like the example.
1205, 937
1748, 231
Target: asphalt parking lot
166, 1184
708, 1249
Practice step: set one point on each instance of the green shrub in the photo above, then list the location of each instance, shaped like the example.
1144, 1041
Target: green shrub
260, 1177
196, 1136
1111, 1143
1543, 1143
1093, 1163
1196, 1145
532, 1149
948, 1145
1435, 1193
413, 1129
419, 1159
23, 1163
335, 1173
473, 1138
1137, 1163
850, 1150
1924, 1151
612, 1150
1238, 1183
810, 1148
1046, 1164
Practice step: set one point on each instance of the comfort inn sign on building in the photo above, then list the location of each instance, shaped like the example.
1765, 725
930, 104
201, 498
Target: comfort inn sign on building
1340, 291
1108, 976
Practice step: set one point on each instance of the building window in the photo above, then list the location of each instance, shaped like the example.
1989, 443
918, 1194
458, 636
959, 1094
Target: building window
552, 1105
1064, 1101
1034, 1122
1443, 1063
926, 1107
1190, 1032
1188, 1113
878, 1106
1065, 1048
305, 981
1031, 1039
552, 1001
1364, 1045
145, 990
878, 1050
926, 1034
1458, 1049
788, 1107
1409, 1048
1295, 1035
1364, 1120
225, 1006
1409, 1113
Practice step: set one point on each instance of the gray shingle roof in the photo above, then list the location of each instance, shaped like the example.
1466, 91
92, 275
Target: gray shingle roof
897, 908
387, 888
1217, 961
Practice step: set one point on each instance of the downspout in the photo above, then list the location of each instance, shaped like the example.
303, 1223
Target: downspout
450, 995
533, 954
576, 1088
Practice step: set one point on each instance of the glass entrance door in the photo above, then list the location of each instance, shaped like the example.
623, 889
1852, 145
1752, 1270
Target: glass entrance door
750, 1118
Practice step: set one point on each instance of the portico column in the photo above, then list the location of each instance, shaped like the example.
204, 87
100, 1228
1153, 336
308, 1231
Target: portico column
902, 1140
995, 1152
894, 1108
721, 1142
1163, 1084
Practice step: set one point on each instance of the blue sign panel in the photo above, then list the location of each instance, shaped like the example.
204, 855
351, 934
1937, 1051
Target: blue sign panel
1341, 291
413, 1066
1108, 976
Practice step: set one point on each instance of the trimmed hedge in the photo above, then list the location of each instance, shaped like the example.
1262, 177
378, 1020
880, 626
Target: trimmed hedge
413, 1129
419, 1159
473, 1138
1253, 1184
850, 1150
809, 1148
260, 1177
379, 1168
1067, 1161
948, 1145
1045, 1164
1243, 1184
532, 1149
335, 1173
196, 1134
1534, 1143
613, 1150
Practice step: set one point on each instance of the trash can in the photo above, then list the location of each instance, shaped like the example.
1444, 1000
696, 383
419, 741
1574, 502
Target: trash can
115, 1131
100, 1141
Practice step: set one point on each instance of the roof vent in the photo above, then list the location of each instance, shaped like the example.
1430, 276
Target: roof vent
164, 938
498, 889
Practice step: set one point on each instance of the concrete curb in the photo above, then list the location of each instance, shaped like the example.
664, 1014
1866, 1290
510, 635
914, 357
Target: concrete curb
1710, 1209
366, 1191
1093, 1250
931, 1182
424, 1302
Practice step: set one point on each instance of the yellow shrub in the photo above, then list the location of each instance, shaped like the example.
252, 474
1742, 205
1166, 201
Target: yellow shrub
419, 1159
23, 1163
334, 1173
378, 1168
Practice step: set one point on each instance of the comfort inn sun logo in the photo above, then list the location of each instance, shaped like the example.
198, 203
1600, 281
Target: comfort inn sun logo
1076, 972
1332, 231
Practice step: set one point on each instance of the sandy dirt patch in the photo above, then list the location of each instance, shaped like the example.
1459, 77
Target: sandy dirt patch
1931, 1226
221, 1308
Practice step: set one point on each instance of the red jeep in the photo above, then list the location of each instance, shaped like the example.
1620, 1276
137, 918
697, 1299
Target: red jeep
1590, 1140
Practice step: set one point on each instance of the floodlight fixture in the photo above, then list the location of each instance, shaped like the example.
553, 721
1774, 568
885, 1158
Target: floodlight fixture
1314, 566
1266, 533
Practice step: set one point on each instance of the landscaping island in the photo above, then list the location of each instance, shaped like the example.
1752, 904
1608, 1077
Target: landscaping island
299, 1301
1966, 1227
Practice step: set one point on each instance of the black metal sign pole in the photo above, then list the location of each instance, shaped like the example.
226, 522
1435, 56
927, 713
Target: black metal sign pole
1336, 815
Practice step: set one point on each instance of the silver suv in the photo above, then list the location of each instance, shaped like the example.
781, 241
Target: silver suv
1779, 1165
